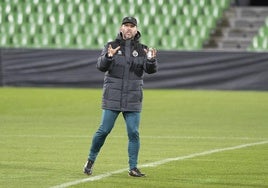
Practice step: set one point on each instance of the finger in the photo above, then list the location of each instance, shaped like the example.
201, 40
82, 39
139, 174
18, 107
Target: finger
118, 47
109, 47
145, 50
154, 52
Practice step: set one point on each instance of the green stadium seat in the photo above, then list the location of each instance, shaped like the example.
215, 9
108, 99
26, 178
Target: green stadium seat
143, 20
178, 3
16, 17
184, 21
214, 11
57, 18
5, 40
6, 8
44, 8
192, 43
200, 31
163, 21
50, 29
84, 41
170, 9
87, 20
66, 8
150, 41
20, 40
206, 21
111, 30
9, 28
37, 19
110, 9
170, 42
99, 19
260, 43
263, 32
191, 10
222, 4
42, 41
179, 31
29, 29
156, 31
63, 40
149, 9
200, 3
72, 28
25, 8
78, 18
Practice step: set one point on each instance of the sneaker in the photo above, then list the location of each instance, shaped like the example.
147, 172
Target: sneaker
135, 172
88, 167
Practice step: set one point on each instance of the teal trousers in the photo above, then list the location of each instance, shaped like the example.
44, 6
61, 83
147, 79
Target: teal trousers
132, 120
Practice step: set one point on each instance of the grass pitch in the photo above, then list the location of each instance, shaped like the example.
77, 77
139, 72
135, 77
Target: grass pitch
45, 135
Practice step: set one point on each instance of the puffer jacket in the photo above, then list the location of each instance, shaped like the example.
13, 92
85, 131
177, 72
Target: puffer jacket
123, 80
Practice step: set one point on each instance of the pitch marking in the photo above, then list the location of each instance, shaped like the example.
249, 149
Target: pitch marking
157, 163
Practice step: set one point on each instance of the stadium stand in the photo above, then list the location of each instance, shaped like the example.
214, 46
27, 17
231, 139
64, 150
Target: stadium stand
242, 28
169, 24
88, 23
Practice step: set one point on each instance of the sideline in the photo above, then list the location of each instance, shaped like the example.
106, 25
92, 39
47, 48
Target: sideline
157, 163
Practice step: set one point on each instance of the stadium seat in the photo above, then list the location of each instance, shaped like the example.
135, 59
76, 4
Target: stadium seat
200, 3
191, 10
72, 28
94, 18
206, 21
170, 10
263, 32
201, 31
213, 11
222, 4
9, 28
150, 41
29, 29
170, 42
44, 8
179, 31
5, 40
50, 29
163, 20
37, 19
42, 41
20, 40
259, 43
184, 21
63, 40
192, 43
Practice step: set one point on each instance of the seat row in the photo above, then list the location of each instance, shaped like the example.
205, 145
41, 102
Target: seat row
67, 21
87, 41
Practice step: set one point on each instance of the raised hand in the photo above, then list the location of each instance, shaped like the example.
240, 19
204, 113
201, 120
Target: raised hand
112, 51
151, 53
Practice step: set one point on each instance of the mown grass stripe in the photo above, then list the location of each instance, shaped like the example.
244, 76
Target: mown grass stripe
157, 163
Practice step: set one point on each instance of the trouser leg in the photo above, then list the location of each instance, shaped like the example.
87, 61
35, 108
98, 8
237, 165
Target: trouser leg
107, 124
132, 120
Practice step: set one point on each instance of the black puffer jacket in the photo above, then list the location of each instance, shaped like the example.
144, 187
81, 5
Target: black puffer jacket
123, 81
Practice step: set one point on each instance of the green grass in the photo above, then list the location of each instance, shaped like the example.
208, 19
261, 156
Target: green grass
45, 135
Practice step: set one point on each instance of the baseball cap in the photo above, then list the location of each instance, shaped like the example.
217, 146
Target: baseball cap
129, 19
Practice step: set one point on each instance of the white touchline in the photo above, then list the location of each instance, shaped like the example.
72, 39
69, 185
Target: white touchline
157, 163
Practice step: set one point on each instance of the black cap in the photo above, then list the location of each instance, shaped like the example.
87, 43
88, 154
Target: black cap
129, 20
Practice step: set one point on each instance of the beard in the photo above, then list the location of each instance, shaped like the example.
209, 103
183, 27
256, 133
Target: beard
128, 35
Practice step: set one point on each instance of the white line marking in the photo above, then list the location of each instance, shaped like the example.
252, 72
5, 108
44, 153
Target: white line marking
157, 163
143, 137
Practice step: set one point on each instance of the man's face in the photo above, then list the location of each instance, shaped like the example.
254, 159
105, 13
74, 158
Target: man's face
128, 31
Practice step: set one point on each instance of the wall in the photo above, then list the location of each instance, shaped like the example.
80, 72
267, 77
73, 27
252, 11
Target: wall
177, 69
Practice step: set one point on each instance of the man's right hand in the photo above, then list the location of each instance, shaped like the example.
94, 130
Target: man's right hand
112, 51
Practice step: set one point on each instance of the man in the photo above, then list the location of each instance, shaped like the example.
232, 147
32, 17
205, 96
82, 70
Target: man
124, 62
